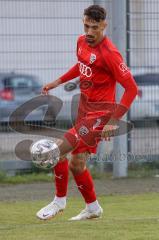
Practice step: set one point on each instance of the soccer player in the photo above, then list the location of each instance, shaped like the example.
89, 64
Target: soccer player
101, 65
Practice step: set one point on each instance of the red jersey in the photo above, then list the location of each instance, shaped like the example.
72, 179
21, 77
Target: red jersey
100, 68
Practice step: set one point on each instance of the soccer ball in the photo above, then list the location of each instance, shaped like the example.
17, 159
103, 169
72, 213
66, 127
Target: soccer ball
45, 153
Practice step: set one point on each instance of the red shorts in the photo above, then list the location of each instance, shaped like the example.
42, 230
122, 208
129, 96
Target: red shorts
87, 132
81, 146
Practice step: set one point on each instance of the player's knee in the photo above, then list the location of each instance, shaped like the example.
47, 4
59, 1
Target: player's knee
77, 166
63, 158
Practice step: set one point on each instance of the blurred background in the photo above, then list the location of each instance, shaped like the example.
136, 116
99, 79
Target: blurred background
38, 44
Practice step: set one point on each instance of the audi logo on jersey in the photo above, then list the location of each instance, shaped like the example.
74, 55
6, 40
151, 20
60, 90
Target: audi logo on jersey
85, 70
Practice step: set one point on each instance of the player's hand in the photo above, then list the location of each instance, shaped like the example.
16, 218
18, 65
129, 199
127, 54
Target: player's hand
50, 86
45, 89
108, 130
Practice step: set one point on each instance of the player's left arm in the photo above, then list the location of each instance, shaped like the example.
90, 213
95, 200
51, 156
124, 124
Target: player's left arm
123, 76
121, 73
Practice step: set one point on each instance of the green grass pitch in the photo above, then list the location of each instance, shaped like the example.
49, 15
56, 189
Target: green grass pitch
126, 217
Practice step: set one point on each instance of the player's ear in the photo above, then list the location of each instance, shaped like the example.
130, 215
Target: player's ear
103, 25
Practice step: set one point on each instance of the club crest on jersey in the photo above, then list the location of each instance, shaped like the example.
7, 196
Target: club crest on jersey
92, 58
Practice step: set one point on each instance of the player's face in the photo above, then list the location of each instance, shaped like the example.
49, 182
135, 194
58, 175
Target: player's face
94, 30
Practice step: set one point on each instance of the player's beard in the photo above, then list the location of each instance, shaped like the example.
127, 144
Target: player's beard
90, 39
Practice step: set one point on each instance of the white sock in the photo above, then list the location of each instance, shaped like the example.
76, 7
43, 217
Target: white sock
60, 201
93, 206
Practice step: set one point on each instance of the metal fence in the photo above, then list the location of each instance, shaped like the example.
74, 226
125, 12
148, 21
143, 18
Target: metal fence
143, 58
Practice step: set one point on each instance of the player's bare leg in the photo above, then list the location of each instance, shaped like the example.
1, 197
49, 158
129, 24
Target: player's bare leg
85, 185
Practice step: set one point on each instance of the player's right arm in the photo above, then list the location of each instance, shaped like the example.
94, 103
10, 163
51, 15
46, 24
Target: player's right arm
71, 74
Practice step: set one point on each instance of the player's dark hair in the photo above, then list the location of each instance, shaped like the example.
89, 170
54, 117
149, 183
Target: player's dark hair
95, 12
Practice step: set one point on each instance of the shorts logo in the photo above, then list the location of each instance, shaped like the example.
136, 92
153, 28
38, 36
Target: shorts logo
98, 122
76, 135
84, 69
123, 68
83, 131
92, 58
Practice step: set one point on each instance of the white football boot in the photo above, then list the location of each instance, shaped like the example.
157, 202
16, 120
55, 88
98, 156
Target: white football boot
87, 214
50, 211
